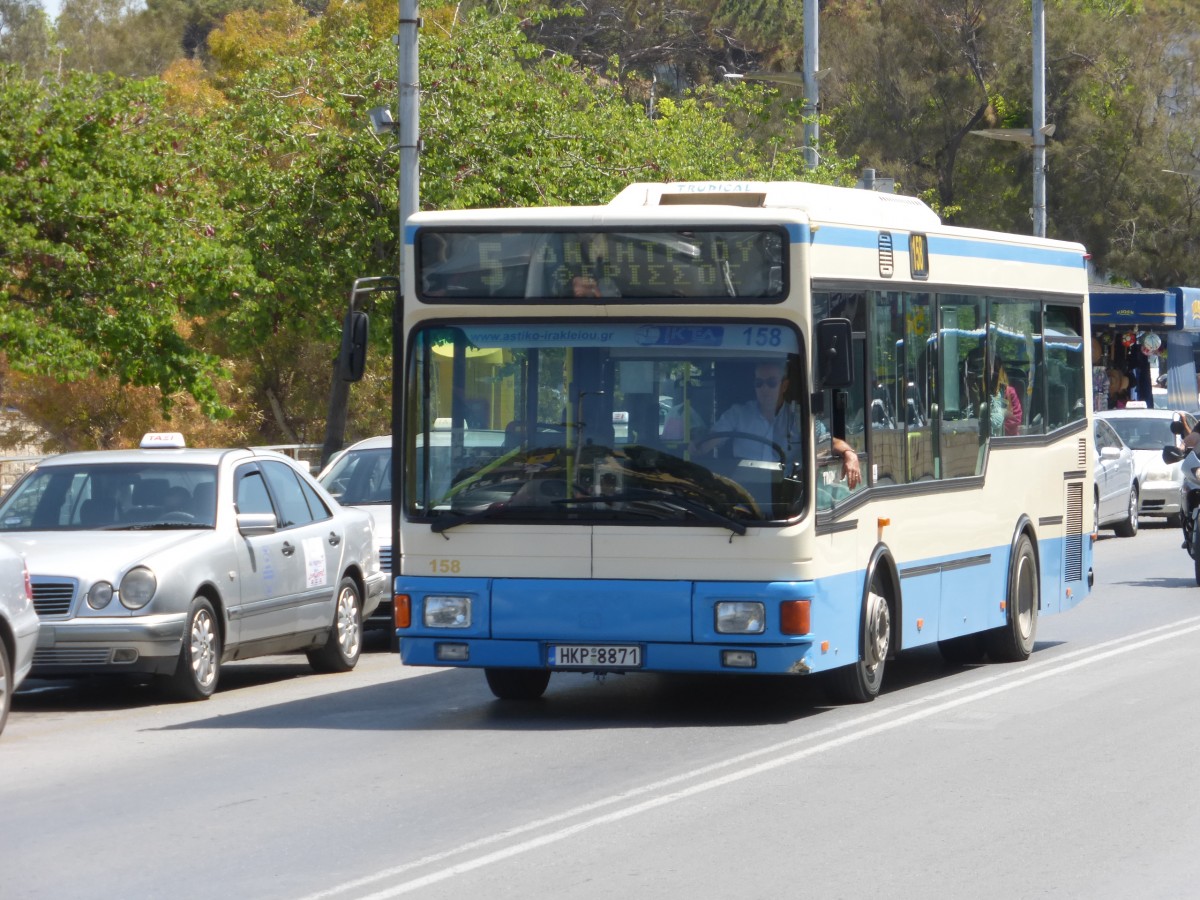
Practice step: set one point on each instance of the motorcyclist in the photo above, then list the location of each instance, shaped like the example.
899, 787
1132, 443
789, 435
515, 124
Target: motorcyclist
1190, 442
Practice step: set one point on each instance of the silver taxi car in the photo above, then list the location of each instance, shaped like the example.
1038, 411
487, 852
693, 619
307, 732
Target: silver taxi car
18, 626
169, 561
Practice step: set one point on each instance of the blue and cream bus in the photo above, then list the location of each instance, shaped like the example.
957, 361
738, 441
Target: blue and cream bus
576, 499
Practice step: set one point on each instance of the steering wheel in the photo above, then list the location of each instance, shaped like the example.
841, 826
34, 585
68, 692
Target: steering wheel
746, 436
177, 516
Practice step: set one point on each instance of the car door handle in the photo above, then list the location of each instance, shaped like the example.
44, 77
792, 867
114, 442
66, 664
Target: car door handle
334, 539
288, 549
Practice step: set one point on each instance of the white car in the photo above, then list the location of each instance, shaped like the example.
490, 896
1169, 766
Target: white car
18, 626
1115, 494
168, 561
361, 477
1146, 432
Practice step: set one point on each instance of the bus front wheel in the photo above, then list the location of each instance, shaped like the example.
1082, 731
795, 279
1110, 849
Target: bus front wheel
517, 684
860, 682
1013, 641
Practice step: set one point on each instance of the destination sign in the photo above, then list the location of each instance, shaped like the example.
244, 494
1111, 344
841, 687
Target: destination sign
718, 265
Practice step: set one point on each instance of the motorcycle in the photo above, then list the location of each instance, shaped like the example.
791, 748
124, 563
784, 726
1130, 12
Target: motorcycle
1190, 501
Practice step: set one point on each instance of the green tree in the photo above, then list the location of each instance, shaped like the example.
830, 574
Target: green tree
113, 249
314, 190
24, 35
119, 37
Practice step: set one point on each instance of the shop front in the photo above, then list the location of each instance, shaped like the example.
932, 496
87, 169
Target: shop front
1142, 339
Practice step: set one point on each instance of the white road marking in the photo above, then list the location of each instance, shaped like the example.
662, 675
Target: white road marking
823, 740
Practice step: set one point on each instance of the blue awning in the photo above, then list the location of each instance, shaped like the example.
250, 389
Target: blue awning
1138, 307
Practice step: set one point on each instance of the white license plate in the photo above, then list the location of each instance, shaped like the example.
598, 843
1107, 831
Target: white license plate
595, 656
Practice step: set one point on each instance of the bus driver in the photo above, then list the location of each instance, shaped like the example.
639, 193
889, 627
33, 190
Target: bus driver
766, 417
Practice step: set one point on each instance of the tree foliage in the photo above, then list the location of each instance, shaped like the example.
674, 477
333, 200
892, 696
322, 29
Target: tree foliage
113, 248
188, 231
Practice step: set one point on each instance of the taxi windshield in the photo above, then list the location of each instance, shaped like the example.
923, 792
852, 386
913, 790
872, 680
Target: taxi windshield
112, 496
1148, 433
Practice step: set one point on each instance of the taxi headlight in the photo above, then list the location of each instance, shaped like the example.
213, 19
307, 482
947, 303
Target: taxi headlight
99, 595
447, 612
1159, 474
137, 587
741, 617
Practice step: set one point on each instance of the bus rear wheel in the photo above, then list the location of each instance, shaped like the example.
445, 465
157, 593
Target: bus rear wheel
860, 682
1013, 641
517, 684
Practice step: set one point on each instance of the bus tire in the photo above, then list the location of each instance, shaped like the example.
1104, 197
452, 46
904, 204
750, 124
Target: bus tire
517, 684
860, 682
1013, 641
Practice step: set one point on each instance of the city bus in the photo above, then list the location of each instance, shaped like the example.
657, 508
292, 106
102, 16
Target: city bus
628, 432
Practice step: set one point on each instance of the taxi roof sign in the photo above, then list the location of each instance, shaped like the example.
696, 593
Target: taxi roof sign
153, 440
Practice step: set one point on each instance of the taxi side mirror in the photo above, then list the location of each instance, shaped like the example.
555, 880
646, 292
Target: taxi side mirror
252, 524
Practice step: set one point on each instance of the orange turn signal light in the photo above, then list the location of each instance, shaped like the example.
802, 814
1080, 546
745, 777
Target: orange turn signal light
795, 617
402, 610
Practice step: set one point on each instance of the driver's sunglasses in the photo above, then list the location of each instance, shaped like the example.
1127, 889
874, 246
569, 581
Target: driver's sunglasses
772, 382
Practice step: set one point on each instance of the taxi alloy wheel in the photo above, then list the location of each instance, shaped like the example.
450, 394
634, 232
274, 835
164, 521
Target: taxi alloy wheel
344, 645
199, 664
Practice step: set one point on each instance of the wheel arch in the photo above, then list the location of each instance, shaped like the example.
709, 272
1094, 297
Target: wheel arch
9, 640
1024, 527
881, 563
209, 592
355, 573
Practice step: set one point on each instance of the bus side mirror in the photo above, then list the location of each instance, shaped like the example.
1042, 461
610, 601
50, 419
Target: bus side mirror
352, 359
834, 357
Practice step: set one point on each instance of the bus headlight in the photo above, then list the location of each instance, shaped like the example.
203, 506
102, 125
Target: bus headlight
447, 612
741, 617
137, 587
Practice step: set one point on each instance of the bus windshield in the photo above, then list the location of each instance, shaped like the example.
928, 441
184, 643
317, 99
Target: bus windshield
596, 421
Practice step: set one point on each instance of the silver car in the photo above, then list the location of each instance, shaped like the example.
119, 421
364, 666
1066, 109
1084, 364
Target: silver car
169, 561
18, 626
1146, 432
1116, 495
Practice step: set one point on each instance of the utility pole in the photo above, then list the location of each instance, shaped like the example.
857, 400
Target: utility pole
1039, 118
408, 109
408, 88
1035, 137
812, 105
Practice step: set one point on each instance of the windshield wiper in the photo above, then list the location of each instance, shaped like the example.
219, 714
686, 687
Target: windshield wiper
157, 526
702, 512
494, 511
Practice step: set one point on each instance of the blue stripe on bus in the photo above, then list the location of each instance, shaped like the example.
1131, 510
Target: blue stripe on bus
942, 245
515, 620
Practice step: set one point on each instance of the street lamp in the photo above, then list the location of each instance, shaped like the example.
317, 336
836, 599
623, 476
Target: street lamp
811, 128
807, 79
1036, 136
